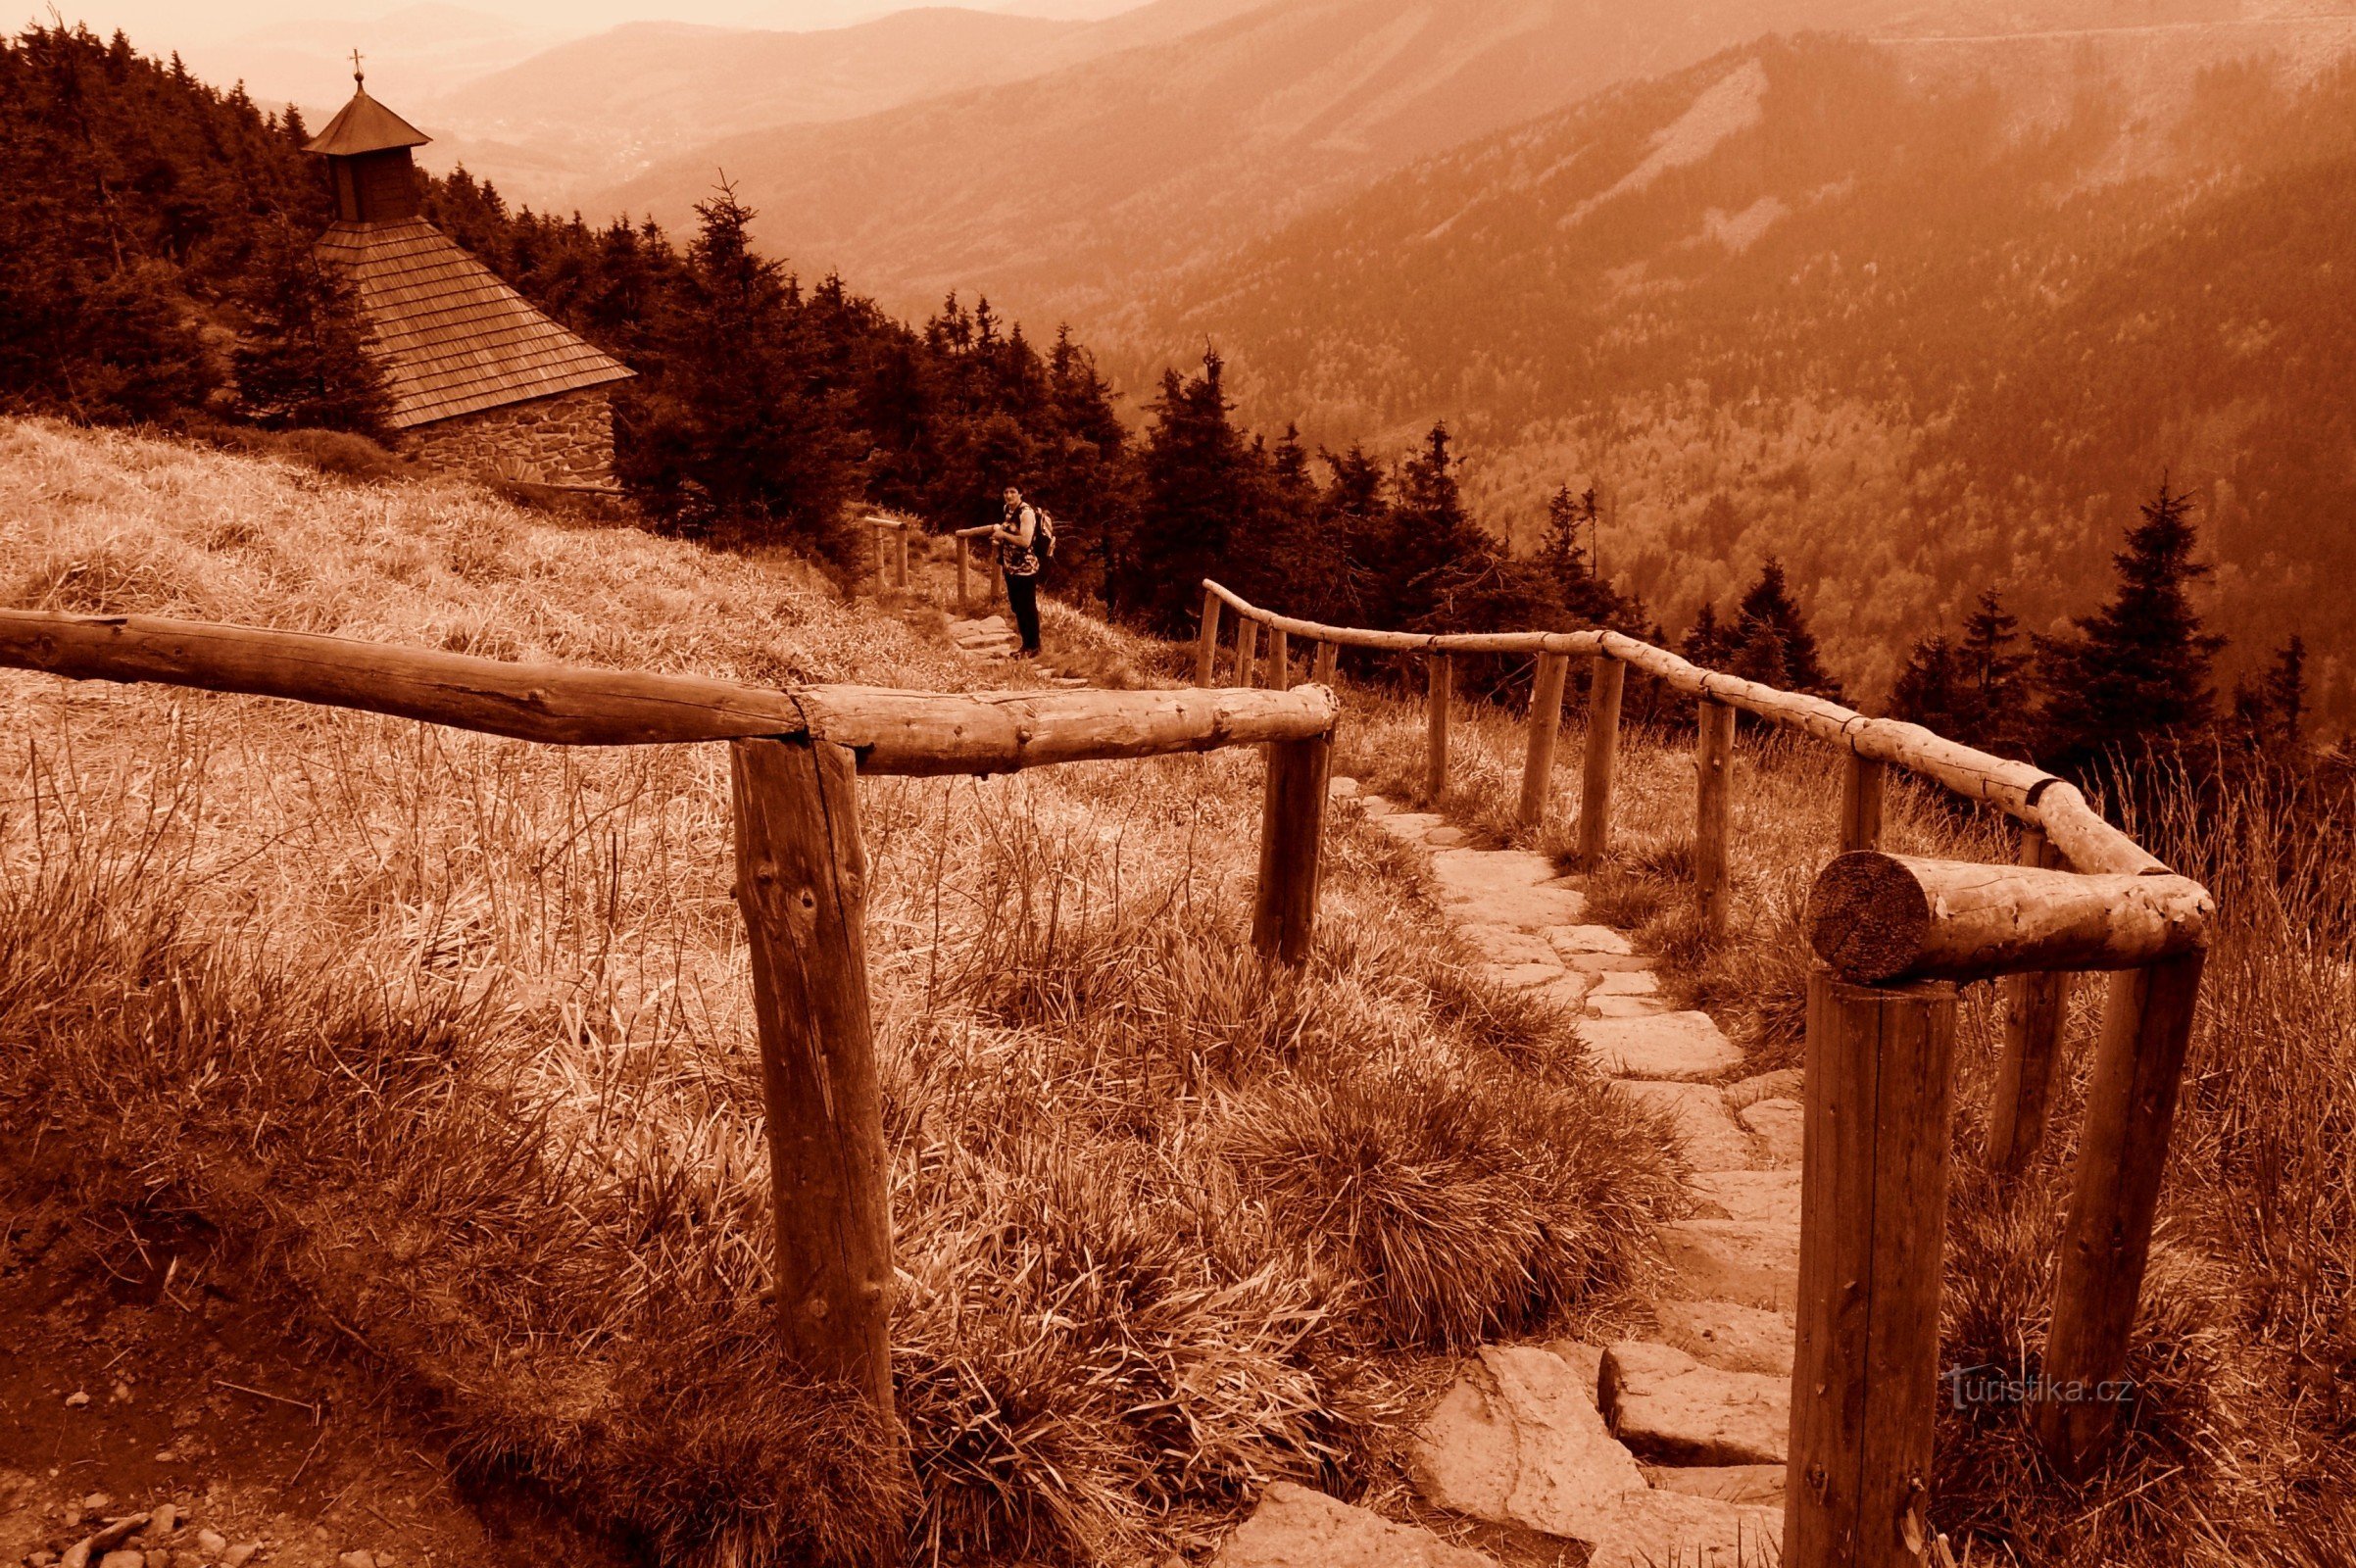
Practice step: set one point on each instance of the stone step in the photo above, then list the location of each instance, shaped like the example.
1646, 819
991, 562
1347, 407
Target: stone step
1474, 873
1525, 909
1572, 940
1663, 1529
1760, 1484
1729, 1337
1777, 1122
1669, 1045
1520, 1441
1627, 983
1294, 1527
1708, 1132
1340, 787
1611, 1006
1522, 976
1784, 1083
1750, 1262
1502, 944
1760, 1194
1670, 1408
1409, 826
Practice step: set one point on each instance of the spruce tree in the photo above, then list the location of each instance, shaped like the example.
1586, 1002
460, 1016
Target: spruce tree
1929, 688
1707, 644
745, 433
2136, 675
1198, 484
308, 360
1771, 634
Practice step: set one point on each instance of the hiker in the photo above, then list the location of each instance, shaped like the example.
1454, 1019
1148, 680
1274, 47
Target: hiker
1017, 534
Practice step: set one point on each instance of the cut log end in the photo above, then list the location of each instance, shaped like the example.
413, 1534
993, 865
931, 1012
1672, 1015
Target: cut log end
1867, 916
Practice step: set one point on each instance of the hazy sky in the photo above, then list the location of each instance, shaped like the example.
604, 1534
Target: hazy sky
162, 25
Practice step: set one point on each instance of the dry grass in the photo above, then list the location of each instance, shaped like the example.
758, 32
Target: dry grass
453, 1035
2241, 1444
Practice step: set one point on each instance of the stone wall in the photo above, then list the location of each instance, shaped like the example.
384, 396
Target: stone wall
566, 439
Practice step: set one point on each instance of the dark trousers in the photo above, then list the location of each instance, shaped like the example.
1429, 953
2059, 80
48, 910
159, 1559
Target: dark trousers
1022, 598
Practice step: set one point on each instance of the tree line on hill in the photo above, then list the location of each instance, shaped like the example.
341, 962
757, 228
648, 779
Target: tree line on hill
156, 259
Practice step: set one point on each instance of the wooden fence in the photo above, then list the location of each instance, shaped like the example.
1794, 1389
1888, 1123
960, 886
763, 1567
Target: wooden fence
801, 868
1894, 936
890, 532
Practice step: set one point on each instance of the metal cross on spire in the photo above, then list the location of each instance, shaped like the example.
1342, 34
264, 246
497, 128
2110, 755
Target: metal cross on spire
357, 79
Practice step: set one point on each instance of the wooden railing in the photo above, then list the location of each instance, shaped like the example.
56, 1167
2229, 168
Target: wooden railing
890, 532
994, 589
1895, 937
801, 868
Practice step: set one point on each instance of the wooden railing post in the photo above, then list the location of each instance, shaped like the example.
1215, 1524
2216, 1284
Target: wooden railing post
2035, 1006
1713, 793
1324, 672
2121, 1152
1292, 841
1545, 727
801, 881
901, 571
963, 554
1602, 761
1861, 782
1873, 1225
1280, 661
1246, 651
1439, 677
1206, 641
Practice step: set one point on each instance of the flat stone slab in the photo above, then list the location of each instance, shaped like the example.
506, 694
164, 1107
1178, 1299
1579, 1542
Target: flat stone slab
1611, 1006
1777, 1123
1502, 944
1760, 1484
1297, 1528
1784, 1083
1575, 938
1372, 806
1608, 963
1670, 1045
1672, 1409
1674, 1530
1446, 838
1627, 983
1565, 990
1729, 1337
1471, 873
1521, 976
1529, 908
1760, 1194
1408, 826
1750, 1262
1519, 1441
1711, 1138
1340, 787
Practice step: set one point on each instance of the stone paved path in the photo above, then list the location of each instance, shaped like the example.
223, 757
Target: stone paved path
990, 638
1666, 1450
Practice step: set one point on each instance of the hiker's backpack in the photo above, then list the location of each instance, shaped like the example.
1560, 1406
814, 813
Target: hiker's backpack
1043, 538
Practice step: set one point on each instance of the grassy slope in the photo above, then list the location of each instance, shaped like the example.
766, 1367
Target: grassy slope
453, 1034
2244, 1448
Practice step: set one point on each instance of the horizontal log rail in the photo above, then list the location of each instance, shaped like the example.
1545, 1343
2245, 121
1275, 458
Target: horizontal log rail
802, 873
1893, 936
1878, 918
2022, 790
889, 731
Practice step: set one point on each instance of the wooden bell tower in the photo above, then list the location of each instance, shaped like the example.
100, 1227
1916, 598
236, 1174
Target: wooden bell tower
367, 150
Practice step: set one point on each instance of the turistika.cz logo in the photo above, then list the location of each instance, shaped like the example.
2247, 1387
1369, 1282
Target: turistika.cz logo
1969, 1386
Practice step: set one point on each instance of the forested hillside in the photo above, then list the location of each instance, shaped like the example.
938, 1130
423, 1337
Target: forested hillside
1920, 319
1072, 190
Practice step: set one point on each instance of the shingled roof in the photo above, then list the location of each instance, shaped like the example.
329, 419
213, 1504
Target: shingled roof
452, 338
365, 125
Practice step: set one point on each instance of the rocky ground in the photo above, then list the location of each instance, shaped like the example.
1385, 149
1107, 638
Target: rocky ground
157, 1410
1665, 1451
